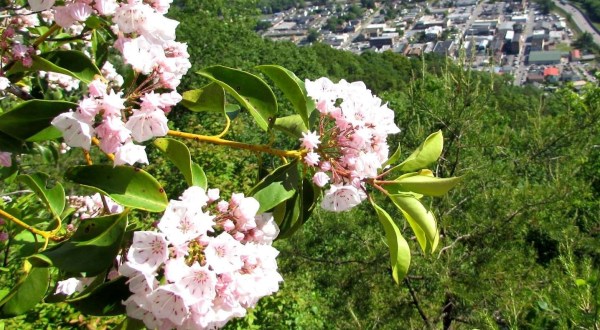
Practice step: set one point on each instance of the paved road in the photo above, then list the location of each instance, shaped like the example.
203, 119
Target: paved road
521, 69
579, 20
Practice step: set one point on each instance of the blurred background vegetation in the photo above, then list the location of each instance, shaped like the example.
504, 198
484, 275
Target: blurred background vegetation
520, 237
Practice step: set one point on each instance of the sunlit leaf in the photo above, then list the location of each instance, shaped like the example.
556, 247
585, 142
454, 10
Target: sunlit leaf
69, 62
210, 98
423, 218
291, 125
427, 185
29, 290
293, 89
399, 249
277, 187
249, 90
428, 152
53, 197
179, 154
128, 186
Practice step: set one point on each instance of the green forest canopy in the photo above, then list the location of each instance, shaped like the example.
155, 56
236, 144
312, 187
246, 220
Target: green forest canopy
520, 244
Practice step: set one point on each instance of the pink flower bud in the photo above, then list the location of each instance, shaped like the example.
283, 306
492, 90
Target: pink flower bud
238, 236
228, 225
222, 206
213, 194
320, 179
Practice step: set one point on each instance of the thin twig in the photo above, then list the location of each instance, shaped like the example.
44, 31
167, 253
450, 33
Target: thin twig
416, 303
453, 243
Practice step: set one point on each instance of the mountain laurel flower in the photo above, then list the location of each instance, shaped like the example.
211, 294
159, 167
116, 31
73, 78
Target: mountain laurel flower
130, 153
76, 132
341, 198
145, 125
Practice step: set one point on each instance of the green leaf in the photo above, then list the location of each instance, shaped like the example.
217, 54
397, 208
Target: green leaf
249, 90
395, 156
427, 185
418, 218
31, 117
9, 143
130, 323
291, 125
199, 177
428, 152
69, 62
26, 243
293, 89
105, 299
100, 46
48, 133
91, 250
291, 215
29, 290
277, 187
210, 98
128, 186
54, 197
180, 155
399, 249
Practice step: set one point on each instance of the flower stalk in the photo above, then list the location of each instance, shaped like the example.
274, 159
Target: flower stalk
47, 235
237, 145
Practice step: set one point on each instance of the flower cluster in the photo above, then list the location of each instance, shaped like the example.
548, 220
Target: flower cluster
146, 41
351, 144
207, 264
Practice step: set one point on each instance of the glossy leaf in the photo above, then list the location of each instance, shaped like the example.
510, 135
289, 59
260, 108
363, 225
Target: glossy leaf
291, 125
128, 186
199, 177
31, 117
277, 187
100, 46
94, 246
249, 90
428, 152
53, 197
179, 154
210, 98
291, 215
427, 185
11, 144
293, 89
29, 290
105, 299
26, 243
48, 133
69, 62
393, 158
399, 249
422, 218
